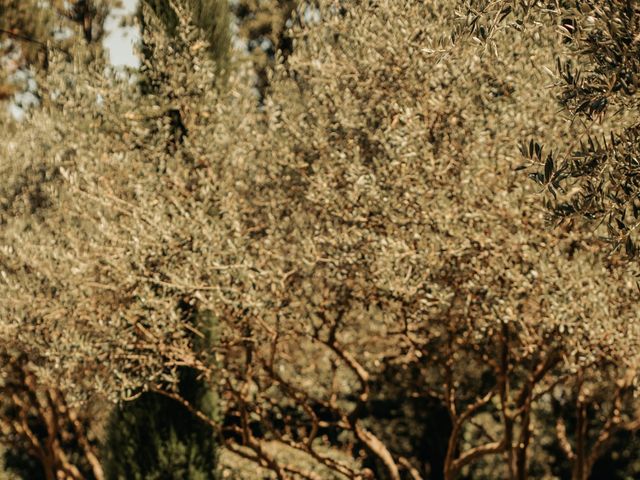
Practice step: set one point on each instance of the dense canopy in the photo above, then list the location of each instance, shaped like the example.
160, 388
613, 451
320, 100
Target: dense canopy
356, 223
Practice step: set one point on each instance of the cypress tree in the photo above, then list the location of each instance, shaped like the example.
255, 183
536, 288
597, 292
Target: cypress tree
155, 437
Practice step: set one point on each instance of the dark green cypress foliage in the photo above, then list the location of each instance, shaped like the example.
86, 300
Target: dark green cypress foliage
156, 438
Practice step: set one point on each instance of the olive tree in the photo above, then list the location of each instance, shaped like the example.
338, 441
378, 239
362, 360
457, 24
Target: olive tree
361, 218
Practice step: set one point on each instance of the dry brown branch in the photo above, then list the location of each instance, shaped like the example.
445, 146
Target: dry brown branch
415, 474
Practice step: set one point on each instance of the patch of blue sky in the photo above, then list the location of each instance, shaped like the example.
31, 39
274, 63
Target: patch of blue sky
121, 41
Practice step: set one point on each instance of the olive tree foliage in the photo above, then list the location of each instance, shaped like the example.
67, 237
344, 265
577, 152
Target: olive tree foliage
210, 16
106, 111
362, 218
263, 26
592, 178
44, 437
18, 26
30, 29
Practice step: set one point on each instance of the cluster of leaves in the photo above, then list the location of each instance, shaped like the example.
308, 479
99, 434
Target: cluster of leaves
211, 17
356, 224
263, 26
45, 434
594, 177
21, 27
30, 30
